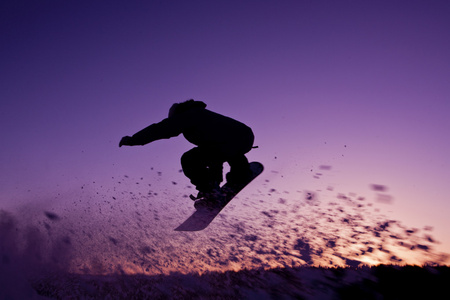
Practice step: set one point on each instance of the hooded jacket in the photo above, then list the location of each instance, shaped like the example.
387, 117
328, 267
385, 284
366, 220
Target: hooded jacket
199, 126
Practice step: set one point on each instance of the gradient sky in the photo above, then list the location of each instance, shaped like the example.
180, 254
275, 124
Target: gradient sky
360, 86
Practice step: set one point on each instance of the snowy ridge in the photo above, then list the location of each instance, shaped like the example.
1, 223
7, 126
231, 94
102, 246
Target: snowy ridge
281, 283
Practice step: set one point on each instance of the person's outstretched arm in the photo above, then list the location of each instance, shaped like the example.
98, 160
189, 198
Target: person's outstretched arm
165, 129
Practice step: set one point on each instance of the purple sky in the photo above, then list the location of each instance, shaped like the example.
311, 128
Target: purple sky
361, 86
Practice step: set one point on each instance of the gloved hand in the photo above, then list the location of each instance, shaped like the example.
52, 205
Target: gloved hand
125, 141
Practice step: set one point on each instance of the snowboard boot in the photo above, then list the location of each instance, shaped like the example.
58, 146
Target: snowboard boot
207, 191
209, 198
237, 180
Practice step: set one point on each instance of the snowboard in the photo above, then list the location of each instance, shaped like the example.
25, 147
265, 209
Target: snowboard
204, 215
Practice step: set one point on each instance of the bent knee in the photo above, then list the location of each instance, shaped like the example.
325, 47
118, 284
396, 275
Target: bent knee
189, 156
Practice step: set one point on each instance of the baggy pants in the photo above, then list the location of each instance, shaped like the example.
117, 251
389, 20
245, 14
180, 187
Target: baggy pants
203, 165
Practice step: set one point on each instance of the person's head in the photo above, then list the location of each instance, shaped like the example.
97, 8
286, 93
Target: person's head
184, 106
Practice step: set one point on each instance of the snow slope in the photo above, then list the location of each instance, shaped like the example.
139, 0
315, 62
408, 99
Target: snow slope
382, 282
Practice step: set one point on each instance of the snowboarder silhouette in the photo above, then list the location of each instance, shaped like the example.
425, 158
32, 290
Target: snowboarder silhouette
218, 138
